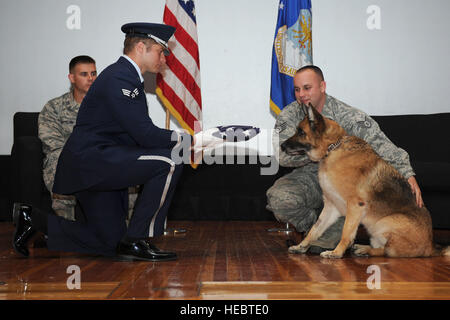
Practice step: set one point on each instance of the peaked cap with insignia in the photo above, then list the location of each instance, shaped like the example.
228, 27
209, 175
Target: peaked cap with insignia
160, 33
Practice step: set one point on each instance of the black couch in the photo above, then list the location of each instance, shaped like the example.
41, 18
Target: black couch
425, 138
237, 192
27, 181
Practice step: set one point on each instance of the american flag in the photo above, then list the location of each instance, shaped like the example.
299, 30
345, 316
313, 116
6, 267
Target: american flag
178, 85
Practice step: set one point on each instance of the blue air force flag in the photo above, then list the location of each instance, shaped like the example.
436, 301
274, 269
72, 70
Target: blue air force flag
292, 49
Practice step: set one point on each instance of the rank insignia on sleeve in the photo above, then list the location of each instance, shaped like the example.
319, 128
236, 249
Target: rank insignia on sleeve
364, 122
281, 127
132, 94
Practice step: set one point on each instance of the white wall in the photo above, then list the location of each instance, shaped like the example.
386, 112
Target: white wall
401, 68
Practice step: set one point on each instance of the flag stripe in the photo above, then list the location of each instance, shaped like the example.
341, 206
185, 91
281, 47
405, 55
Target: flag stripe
180, 89
176, 10
183, 37
189, 8
183, 75
178, 85
186, 59
177, 103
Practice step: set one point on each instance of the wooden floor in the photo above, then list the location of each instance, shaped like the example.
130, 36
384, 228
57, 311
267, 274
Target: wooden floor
220, 261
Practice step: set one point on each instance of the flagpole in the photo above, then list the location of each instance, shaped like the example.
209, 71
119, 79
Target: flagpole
170, 230
167, 119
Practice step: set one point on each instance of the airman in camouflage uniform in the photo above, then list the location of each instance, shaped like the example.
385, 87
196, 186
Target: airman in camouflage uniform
56, 122
297, 197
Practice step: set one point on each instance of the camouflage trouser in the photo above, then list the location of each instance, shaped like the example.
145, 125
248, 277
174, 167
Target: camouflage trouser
64, 207
297, 198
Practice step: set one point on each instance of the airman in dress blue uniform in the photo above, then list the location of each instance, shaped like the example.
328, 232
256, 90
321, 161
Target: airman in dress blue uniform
115, 145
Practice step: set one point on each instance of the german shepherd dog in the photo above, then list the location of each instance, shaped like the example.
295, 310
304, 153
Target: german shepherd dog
360, 185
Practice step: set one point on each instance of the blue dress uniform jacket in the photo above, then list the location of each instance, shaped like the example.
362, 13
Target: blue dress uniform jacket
114, 145
112, 120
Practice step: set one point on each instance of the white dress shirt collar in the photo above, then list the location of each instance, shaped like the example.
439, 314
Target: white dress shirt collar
135, 66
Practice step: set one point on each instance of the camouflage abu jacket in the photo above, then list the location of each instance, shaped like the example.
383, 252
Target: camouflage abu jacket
56, 122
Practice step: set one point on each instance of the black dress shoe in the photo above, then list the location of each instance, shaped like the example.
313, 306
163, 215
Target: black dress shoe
154, 248
142, 250
24, 230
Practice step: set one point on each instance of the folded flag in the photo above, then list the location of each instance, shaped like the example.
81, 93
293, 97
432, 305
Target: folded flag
213, 137
236, 133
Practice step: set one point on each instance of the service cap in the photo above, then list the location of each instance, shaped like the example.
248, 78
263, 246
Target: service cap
160, 33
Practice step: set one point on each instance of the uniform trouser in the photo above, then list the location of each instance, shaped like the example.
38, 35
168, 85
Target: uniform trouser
105, 207
296, 197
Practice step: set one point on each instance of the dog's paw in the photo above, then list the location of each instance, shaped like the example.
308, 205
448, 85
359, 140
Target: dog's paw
330, 255
298, 249
360, 250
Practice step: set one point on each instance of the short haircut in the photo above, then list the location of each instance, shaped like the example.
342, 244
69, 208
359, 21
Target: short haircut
79, 59
131, 42
316, 70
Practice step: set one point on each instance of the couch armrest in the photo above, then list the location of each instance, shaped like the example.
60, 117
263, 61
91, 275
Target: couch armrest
26, 176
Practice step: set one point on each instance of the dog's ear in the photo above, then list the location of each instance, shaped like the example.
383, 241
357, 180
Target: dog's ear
304, 109
316, 121
308, 114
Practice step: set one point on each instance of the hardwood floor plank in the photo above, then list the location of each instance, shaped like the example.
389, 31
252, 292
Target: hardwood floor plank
330, 290
220, 260
55, 291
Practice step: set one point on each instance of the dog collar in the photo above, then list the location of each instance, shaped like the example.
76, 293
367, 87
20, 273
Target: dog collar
333, 146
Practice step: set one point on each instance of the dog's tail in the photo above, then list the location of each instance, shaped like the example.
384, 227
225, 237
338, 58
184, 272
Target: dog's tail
441, 250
